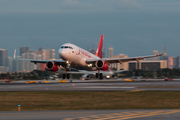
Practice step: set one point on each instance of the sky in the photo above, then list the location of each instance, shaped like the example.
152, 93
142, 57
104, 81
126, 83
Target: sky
131, 27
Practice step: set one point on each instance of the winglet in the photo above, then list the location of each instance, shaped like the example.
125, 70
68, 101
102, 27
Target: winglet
14, 53
163, 51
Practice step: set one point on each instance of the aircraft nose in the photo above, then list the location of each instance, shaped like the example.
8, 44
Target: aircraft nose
62, 53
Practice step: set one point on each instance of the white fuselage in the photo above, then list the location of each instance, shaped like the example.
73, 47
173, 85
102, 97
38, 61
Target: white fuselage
76, 56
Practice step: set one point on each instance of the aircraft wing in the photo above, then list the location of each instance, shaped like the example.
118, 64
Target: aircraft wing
120, 60
58, 62
119, 71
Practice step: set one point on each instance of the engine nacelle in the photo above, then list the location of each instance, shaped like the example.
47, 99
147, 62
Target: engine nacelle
51, 66
101, 65
86, 76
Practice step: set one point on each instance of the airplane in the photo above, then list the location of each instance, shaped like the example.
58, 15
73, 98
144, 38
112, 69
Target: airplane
76, 57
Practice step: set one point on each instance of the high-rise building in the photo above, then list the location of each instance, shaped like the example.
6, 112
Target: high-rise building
48, 54
110, 52
170, 62
103, 54
3, 61
176, 62
93, 51
12, 64
4, 69
155, 52
40, 49
3, 57
39, 65
19, 64
119, 66
23, 50
27, 65
169, 59
41, 54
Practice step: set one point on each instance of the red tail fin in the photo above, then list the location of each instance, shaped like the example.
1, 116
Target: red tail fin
100, 47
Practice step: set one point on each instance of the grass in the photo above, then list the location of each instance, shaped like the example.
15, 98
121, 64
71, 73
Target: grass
38, 101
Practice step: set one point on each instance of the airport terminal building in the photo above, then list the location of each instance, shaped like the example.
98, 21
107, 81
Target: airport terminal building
148, 65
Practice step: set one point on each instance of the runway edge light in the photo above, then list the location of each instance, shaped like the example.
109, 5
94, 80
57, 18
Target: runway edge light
19, 107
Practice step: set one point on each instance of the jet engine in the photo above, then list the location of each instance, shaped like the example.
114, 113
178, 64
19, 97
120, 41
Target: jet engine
51, 66
86, 76
101, 65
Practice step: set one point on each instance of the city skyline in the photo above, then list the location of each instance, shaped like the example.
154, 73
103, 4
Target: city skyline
11, 64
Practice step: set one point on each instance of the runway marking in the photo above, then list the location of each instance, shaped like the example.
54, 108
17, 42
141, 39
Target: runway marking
107, 87
148, 114
125, 115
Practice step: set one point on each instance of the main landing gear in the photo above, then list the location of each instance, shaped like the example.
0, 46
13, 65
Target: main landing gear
66, 76
99, 75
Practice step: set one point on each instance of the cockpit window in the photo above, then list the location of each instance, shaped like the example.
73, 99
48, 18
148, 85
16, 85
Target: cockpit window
66, 47
70, 47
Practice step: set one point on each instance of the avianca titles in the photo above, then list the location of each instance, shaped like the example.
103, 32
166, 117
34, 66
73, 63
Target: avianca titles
76, 57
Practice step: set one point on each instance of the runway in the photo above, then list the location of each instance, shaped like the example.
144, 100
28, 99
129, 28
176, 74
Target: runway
94, 86
93, 115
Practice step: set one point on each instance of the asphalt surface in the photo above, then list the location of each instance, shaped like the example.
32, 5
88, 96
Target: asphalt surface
93, 115
93, 86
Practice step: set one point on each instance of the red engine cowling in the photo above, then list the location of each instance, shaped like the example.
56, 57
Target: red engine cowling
51, 66
101, 65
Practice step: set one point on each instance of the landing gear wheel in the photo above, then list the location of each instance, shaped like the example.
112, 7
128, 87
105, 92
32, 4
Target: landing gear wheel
100, 76
68, 76
97, 76
64, 76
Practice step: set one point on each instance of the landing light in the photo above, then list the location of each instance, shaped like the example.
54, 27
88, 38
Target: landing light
108, 76
89, 65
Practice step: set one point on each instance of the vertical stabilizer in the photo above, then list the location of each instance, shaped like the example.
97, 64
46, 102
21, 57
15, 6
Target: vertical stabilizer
100, 47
